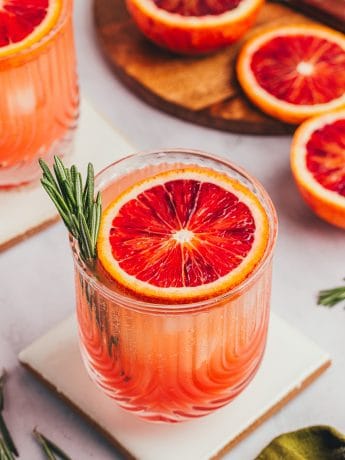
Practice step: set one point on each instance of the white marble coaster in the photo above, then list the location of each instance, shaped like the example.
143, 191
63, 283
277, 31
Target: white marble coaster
28, 209
291, 362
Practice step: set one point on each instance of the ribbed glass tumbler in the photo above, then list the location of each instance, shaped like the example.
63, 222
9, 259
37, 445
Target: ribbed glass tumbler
173, 362
39, 102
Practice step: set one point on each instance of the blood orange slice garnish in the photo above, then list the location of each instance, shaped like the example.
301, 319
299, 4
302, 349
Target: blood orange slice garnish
193, 27
318, 165
294, 72
22, 23
183, 235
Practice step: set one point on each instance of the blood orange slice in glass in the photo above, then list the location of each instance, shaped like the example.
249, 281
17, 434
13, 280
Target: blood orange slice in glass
193, 27
294, 72
318, 165
183, 235
22, 23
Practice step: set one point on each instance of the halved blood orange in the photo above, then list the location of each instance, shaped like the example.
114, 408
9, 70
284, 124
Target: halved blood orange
318, 165
183, 235
22, 23
192, 27
294, 72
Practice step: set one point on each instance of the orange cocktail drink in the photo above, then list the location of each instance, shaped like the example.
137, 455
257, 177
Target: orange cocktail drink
39, 92
173, 318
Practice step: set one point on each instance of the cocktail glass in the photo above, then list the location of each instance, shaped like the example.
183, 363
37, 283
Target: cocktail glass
172, 362
38, 102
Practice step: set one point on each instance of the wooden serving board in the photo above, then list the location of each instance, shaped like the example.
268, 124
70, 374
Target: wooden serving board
202, 90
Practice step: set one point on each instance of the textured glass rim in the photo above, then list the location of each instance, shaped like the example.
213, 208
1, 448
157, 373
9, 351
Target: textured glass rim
133, 303
63, 18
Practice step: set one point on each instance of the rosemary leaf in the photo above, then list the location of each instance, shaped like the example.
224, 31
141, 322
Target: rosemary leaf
42, 442
50, 448
76, 204
47, 174
94, 224
7, 438
331, 297
78, 191
2, 384
68, 175
60, 175
74, 172
68, 192
75, 226
59, 203
5, 453
90, 191
85, 232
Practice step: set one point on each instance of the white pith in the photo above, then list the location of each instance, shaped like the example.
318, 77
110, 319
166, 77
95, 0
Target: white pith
182, 292
287, 107
183, 236
305, 68
196, 21
299, 158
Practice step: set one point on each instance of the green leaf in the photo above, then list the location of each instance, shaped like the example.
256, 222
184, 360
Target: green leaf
7, 438
331, 297
47, 174
5, 453
49, 447
76, 204
46, 449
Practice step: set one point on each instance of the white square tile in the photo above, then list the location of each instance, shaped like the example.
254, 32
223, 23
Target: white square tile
291, 362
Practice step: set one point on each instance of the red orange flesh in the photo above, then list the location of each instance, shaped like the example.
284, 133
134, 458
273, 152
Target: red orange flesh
183, 235
294, 72
318, 164
23, 23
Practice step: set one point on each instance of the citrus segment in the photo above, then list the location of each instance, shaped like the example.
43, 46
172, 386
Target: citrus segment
24, 23
318, 165
197, 7
325, 156
183, 235
294, 72
194, 27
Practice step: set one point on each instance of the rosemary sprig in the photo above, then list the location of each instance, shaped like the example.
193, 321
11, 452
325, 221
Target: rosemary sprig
331, 297
76, 204
7, 442
50, 449
5, 453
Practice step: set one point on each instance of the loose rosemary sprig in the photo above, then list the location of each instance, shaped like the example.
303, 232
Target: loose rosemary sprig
331, 297
76, 204
6, 442
51, 450
5, 453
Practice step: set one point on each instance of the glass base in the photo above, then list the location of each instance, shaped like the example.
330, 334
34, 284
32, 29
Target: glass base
25, 173
192, 412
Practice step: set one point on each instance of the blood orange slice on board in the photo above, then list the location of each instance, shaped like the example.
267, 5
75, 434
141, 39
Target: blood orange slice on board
192, 27
23, 23
293, 73
318, 165
183, 235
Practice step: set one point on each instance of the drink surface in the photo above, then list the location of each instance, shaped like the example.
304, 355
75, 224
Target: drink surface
39, 92
169, 361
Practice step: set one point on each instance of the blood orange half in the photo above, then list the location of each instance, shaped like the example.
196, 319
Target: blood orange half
183, 235
193, 27
22, 23
294, 72
318, 165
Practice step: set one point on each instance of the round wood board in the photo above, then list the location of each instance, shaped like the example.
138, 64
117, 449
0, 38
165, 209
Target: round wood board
202, 90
